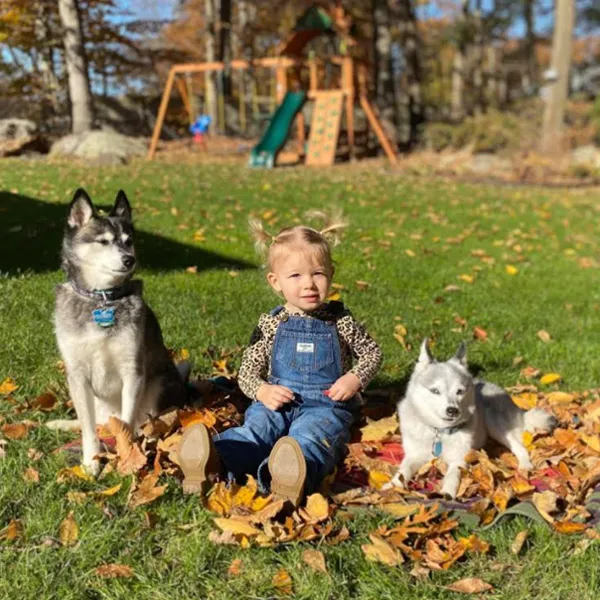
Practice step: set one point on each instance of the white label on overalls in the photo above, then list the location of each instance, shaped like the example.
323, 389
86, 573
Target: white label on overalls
304, 347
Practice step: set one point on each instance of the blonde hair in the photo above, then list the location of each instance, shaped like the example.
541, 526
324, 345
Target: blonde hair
299, 237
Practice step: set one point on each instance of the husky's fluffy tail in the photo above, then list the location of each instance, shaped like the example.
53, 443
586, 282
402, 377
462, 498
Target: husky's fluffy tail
539, 419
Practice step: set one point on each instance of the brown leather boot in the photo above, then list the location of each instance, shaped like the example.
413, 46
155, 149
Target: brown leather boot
288, 470
198, 458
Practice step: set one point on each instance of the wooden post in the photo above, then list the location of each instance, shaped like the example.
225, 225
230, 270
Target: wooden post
348, 89
181, 87
162, 111
376, 125
301, 130
312, 65
281, 83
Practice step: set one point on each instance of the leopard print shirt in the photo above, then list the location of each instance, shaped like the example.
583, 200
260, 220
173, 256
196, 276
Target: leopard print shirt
355, 343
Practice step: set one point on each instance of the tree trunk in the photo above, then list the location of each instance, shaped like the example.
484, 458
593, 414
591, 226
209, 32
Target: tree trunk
383, 60
558, 87
529, 46
225, 43
479, 51
410, 96
209, 78
457, 109
82, 114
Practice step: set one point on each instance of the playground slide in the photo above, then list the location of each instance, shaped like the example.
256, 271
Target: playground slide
265, 152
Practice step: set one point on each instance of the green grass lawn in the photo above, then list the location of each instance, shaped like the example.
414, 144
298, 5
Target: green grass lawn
409, 239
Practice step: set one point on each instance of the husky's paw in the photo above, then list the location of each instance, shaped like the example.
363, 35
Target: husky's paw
91, 467
396, 482
525, 464
450, 489
63, 425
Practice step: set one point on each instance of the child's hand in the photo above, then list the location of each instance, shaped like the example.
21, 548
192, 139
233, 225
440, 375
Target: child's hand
274, 396
344, 388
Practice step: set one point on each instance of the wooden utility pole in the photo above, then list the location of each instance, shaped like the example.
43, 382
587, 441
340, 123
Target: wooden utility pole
557, 87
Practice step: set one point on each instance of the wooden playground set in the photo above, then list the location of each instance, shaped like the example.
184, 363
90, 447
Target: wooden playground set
298, 79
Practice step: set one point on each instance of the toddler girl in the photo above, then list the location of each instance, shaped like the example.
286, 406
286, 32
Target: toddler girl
298, 370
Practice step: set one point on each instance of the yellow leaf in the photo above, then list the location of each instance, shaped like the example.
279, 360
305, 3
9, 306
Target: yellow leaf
525, 401
245, 495
549, 378
236, 526
410, 253
545, 502
110, 491
466, 278
8, 386
317, 507
511, 270
375, 431
377, 479
334, 296
592, 441
380, 551
76, 472
474, 543
559, 398
399, 510
520, 538
527, 439
68, 531
220, 499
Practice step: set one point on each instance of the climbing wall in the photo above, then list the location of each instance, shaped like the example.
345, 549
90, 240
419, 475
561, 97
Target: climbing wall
325, 128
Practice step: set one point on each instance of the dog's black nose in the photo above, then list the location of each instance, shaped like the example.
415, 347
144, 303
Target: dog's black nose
128, 261
452, 411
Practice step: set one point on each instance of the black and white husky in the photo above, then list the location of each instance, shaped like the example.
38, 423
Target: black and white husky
109, 338
446, 413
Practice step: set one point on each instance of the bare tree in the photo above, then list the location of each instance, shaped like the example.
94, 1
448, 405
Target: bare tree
382, 41
82, 113
558, 85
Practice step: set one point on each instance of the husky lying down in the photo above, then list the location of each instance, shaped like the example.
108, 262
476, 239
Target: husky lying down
446, 413
109, 338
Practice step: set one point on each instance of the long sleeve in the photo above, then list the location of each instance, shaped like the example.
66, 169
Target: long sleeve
254, 369
363, 347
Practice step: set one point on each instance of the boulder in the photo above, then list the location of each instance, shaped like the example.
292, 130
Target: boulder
586, 155
14, 129
30, 144
91, 145
486, 163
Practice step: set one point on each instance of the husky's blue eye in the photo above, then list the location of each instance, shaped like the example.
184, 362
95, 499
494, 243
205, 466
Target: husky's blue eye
434, 391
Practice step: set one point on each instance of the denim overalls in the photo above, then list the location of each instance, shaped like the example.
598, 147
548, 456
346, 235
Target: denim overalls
306, 358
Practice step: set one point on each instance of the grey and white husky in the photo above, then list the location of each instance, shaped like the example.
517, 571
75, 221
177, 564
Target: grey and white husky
109, 338
446, 412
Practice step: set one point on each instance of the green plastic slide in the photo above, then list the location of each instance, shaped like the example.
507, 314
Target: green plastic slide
265, 152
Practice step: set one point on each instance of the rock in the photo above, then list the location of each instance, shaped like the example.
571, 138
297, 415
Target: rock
91, 145
586, 155
30, 144
13, 129
108, 160
486, 163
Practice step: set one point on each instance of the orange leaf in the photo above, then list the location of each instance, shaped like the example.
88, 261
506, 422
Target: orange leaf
470, 585
146, 492
15, 431
282, 582
197, 416
13, 531
568, 527
315, 560
45, 401
525, 401
111, 571
235, 568
8, 386
480, 334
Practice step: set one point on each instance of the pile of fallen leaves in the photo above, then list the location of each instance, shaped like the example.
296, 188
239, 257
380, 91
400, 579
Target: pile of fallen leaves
424, 530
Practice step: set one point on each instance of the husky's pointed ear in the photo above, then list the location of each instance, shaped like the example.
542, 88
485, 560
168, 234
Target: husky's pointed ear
425, 356
461, 355
81, 209
122, 207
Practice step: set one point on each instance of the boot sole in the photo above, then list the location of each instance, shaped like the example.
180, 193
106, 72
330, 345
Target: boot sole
195, 470
293, 491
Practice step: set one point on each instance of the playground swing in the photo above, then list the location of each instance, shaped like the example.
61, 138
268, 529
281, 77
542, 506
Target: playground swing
329, 104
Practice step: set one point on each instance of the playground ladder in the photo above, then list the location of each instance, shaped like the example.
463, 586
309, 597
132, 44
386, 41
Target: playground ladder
325, 128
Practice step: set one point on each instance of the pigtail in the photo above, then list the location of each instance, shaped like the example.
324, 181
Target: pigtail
333, 224
262, 238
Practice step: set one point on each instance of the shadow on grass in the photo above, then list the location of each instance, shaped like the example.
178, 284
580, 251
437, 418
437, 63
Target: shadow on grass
31, 235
